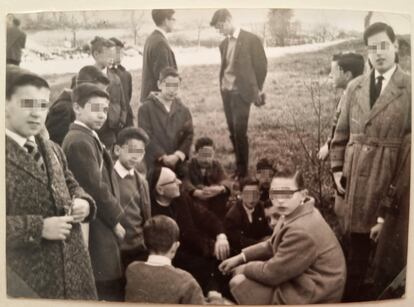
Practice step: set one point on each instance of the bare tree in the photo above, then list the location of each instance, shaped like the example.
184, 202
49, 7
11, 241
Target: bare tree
367, 19
279, 21
136, 22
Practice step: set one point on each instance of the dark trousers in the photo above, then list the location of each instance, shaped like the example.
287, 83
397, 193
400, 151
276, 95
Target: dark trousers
237, 116
358, 248
204, 270
111, 290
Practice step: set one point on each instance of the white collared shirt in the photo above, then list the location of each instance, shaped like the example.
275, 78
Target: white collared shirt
162, 32
387, 77
235, 33
122, 171
158, 260
20, 140
249, 213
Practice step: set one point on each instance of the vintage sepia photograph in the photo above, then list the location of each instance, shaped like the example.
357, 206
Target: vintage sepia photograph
223, 156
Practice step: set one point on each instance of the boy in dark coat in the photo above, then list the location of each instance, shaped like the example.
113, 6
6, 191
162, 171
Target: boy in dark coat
103, 52
205, 179
125, 77
93, 168
46, 253
134, 192
201, 232
157, 281
61, 113
168, 123
245, 221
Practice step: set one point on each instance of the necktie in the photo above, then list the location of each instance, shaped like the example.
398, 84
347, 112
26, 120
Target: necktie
35, 153
378, 87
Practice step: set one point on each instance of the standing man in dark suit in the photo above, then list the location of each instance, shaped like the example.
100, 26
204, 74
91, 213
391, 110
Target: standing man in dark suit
157, 51
242, 74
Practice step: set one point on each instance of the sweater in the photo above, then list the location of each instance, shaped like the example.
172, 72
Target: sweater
161, 284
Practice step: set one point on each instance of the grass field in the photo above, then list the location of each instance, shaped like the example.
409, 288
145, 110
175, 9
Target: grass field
287, 126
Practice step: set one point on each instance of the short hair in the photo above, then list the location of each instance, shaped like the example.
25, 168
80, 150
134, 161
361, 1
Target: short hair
287, 169
379, 27
129, 133
17, 77
159, 16
220, 15
203, 141
264, 163
248, 181
117, 42
85, 91
99, 43
16, 22
168, 72
160, 233
352, 62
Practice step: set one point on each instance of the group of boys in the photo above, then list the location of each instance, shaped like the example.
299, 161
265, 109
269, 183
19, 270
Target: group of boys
93, 227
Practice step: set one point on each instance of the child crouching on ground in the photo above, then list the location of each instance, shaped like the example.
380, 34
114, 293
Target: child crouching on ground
157, 281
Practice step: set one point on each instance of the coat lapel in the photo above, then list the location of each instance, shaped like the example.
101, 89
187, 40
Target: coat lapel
21, 159
390, 93
239, 45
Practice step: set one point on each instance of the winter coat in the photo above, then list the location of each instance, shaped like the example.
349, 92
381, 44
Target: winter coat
93, 168
304, 263
366, 144
50, 269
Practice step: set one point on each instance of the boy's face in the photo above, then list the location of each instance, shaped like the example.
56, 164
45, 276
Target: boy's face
94, 113
250, 196
26, 110
118, 55
106, 57
225, 28
337, 76
285, 195
264, 176
205, 156
131, 153
169, 24
271, 216
169, 87
381, 51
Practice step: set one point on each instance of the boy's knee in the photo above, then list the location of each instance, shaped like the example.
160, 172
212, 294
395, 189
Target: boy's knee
237, 280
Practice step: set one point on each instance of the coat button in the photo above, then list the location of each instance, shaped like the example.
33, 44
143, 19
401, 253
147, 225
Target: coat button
31, 239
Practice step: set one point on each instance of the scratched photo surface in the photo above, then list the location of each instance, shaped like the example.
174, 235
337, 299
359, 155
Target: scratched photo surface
219, 156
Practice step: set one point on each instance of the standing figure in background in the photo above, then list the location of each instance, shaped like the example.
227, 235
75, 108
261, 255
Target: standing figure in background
125, 77
242, 74
16, 41
157, 52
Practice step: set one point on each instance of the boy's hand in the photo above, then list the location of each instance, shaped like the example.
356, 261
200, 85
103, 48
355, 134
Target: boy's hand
337, 178
323, 152
57, 227
375, 232
80, 210
119, 232
229, 264
201, 194
221, 247
214, 190
170, 160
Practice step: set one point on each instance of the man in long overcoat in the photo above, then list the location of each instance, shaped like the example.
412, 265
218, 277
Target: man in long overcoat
375, 116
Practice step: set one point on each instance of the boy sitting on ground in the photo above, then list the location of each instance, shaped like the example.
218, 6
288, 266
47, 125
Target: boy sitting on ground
205, 178
157, 281
245, 222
